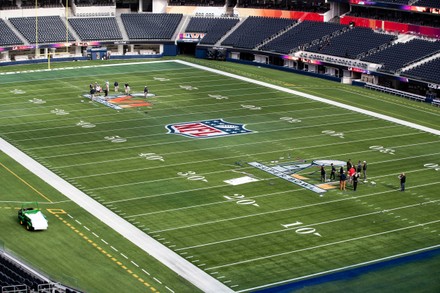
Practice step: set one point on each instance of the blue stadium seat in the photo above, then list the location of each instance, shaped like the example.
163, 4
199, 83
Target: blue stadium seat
102, 28
7, 36
214, 28
157, 26
254, 30
51, 29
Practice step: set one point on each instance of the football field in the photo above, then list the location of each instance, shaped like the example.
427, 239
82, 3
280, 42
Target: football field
226, 173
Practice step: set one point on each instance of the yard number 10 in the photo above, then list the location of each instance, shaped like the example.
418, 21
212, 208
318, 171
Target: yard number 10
301, 230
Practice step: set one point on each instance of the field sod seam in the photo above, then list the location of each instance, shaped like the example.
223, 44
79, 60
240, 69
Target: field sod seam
92, 76
216, 172
178, 264
383, 98
167, 116
316, 98
312, 126
183, 191
250, 197
395, 103
145, 118
159, 125
116, 149
162, 89
192, 140
73, 125
95, 245
112, 114
95, 131
80, 80
200, 161
282, 210
180, 152
323, 245
396, 256
308, 225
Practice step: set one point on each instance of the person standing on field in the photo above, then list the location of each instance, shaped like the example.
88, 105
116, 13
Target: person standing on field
342, 180
349, 164
355, 178
332, 172
402, 178
323, 177
364, 170
359, 167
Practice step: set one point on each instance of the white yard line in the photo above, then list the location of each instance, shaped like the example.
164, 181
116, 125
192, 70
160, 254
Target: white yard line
169, 258
182, 267
311, 225
341, 269
283, 210
322, 245
316, 98
219, 159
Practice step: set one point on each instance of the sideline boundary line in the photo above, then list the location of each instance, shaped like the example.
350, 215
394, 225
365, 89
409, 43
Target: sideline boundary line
346, 268
172, 260
169, 258
315, 98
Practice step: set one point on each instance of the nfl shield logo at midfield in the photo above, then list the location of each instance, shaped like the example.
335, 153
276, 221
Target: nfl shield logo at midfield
207, 128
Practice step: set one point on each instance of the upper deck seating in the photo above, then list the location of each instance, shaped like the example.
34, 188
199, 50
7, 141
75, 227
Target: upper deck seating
428, 71
254, 30
99, 28
7, 36
352, 43
402, 54
214, 28
51, 29
301, 34
160, 26
427, 3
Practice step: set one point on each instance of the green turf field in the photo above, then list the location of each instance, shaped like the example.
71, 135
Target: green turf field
172, 186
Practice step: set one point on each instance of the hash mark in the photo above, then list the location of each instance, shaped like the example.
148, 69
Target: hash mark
146, 272
104, 241
157, 280
135, 263
86, 228
124, 256
113, 248
169, 289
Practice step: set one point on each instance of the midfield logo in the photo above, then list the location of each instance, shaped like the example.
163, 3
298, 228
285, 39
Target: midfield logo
207, 128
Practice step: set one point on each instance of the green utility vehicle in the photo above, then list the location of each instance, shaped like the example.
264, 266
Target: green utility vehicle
31, 216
